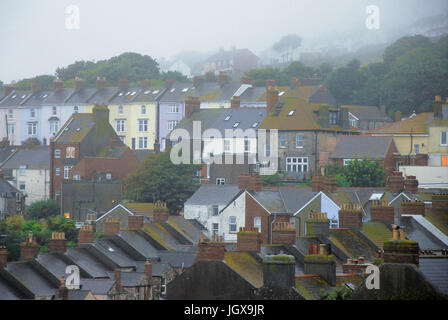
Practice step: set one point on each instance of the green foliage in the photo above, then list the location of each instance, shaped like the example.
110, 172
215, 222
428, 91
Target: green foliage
337, 294
282, 77
45, 81
30, 142
403, 45
157, 178
360, 173
291, 41
43, 209
272, 180
174, 75
378, 261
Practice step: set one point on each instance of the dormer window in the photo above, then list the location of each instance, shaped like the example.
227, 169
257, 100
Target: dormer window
227, 118
236, 124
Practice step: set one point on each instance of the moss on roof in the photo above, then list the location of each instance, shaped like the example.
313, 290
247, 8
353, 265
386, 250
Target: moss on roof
418, 124
210, 96
246, 265
151, 230
377, 232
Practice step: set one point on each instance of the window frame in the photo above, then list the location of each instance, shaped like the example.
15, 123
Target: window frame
233, 225
446, 138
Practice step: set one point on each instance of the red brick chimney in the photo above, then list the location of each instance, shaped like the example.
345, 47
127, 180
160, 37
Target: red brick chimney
35, 87
3, 257
79, 83
8, 88
169, 82
250, 181
57, 84
123, 84
330, 183
58, 242
100, 83
148, 270
271, 95
381, 211
411, 184
111, 226
223, 78
246, 80
196, 81
350, 216
439, 204
283, 233
29, 249
160, 212
210, 251
398, 116
295, 83
235, 102
191, 104
396, 182
413, 207
86, 234
317, 182
248, 239
135, 222
117, 278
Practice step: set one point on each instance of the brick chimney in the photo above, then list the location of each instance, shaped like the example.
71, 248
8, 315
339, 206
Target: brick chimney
111, 226
29, 249
317, 182
58, 242
411, 184
438, 108
235, 102
100, 114
63, 290
396, 182
35, 87
324, 116
86, 234
398, 116
295, 83
279, 272
100, 83
148, 270
355, 266
271, 95
248, 239
323, 265
117, 278
191, 104
330, 183
223, 78
135, 222
197, 81
283, 233
160, 212
250, 181
210, 250
169, 82
350, 216
401, 250
317, 225
123, 84
79, 83
246, 80
3, 257
8, 88
413, 207
57, 84
439, 203
381, 211
145, 83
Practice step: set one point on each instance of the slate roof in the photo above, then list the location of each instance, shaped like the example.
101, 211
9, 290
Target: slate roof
87, 261
7, 152
103, 95
97, 286
15, 98
125, 96
311, 286
435, 270
253, 94
83, 121
114, 252
137, 240
207, 117
177, 92
130, 279
58, 97
352, 245
418, 124
78, 294
33, 158
414, 231
36, 99
8, 292
246, 117
190, 231
213, 92
352, 147
367, 113
56, 263
32, 279
246, 265
7, 188
80, 96
150, 94
178, 259
160, 232
321, 95
211, 194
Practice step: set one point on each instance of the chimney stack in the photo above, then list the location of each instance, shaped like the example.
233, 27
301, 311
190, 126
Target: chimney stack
235, 102
439, 203
111, 226
279, 272
413, 207
57, 84
35, 87
250, 181
400, 250
148, 270
58, 242
411, 184
223, 78
196, 81
323, 265
160, 212
398, 116
191, 104
123, 84
79, 83
63, 290
396, 182
248, 239
135, 222
29, 249
145, 83
317, 225
271, 95
246, 80
381, 211
317, 182
350, 216
86, 234
295, 83
3, 257
117, 278
210, 250
100, 83
169, 82
8, 88
283, 233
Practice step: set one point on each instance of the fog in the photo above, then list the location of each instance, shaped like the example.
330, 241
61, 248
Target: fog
35, 39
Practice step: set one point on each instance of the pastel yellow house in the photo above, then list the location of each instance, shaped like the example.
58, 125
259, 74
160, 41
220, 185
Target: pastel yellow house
438, 136
133, 115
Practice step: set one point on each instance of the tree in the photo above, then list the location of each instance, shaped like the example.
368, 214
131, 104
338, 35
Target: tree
45, 81
403, 45
43, 209
157, 178
31, 142
364, 173
271, 180
174, 75
287, 43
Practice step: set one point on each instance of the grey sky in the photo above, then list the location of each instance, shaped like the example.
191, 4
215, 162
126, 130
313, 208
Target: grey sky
34, 39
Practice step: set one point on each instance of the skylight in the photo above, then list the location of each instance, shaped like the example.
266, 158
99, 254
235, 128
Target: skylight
255, 124
236, 124
172, 90
148, 92
184, 89
281, 93
227, 118
155, 92
121, 93
128, 93
23, 96
14, 96
291, 112
376, 196
133, 92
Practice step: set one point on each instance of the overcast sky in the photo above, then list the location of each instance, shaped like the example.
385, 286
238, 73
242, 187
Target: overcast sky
35, 39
